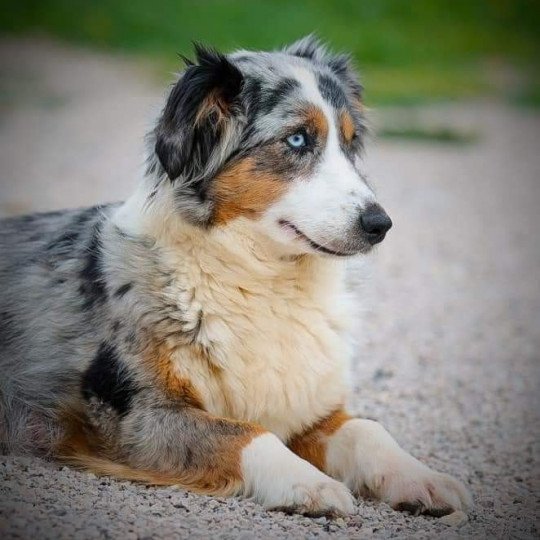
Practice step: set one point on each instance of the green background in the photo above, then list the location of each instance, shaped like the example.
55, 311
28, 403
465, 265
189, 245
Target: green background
407, 51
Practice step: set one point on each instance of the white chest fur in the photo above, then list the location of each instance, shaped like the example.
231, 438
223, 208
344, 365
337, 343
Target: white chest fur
273, 331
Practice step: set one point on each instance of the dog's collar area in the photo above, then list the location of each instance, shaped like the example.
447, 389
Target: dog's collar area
291, 226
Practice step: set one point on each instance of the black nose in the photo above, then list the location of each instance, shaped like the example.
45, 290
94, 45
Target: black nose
375, 223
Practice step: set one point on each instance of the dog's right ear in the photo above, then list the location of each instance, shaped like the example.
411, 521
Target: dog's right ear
202, 114
311, 48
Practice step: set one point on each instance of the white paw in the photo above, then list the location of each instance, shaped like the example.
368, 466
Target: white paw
409, 485
280, 480
370, 462
316, 497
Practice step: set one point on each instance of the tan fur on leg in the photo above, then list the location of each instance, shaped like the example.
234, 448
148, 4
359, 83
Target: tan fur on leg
311, 444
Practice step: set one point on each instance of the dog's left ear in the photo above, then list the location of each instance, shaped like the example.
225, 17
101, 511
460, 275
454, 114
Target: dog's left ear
311, 48
201, 119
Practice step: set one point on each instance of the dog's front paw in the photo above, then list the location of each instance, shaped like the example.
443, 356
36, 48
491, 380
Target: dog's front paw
408, 485
315, 497
370, 462
280, 480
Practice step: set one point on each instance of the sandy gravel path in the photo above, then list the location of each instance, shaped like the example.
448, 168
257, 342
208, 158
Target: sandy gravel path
449, 358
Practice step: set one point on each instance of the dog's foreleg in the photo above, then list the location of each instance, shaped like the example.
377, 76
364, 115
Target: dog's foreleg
187, 446
363, 455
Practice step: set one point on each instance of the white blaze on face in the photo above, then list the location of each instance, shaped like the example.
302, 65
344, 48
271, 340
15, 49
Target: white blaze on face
325, 206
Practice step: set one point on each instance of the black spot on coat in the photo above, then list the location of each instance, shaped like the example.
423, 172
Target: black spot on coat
121, 291
9, 329
273, 97
331, 90
92, 286
107, 380
63, 244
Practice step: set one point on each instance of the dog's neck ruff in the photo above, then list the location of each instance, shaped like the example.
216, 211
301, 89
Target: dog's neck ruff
259, 315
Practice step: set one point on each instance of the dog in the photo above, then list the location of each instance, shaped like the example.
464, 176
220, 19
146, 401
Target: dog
196, 335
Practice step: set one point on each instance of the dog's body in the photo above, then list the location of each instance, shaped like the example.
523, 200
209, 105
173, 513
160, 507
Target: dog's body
197, 333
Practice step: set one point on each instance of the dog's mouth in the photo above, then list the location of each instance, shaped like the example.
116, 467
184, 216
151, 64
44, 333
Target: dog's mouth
317, 247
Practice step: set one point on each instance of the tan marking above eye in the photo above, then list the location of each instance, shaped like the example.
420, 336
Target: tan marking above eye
347, 127
244, 190
315, 121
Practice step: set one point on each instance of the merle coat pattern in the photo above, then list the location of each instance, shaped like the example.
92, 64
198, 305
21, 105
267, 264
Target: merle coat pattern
197, 333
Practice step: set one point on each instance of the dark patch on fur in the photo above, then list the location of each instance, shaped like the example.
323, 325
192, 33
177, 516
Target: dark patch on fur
8, 328
197, 329
414, 508
121, 291
340, 65
64, 242
188, 458
92, 286
274, 96
439, 512
106, 380
116, 326
120, 232
71, 233
252, 91
331, 91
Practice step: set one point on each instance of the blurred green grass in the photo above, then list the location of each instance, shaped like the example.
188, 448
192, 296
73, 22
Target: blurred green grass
409, 52
420, 133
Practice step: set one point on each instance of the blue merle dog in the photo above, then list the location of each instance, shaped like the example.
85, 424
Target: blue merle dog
197, 334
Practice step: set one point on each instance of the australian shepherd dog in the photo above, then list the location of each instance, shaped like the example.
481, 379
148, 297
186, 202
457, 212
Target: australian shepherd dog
197, 334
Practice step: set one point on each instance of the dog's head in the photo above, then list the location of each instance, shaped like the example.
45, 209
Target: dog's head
274, 137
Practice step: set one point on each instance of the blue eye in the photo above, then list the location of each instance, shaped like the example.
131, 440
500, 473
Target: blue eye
297, 140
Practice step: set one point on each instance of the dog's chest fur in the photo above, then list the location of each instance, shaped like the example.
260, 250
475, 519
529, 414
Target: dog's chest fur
270, 345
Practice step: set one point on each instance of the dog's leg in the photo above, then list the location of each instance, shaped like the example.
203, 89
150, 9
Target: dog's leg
363, 455
188, 447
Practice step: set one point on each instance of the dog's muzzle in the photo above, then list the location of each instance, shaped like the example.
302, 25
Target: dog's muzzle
375, 223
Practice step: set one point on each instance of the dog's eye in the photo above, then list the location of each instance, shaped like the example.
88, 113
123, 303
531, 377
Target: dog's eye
297, 140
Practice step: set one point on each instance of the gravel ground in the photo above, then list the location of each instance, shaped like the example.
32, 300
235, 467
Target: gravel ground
449, 354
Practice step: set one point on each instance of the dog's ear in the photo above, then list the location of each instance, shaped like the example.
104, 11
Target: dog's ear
311, 48
201, 118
